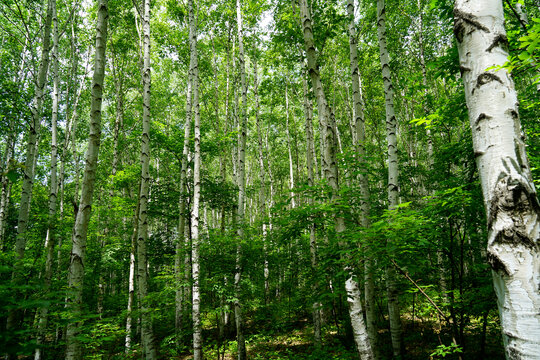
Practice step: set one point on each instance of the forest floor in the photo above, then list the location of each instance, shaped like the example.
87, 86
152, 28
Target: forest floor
296, 343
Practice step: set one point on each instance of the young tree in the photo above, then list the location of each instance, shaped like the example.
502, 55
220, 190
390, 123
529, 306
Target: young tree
510, 199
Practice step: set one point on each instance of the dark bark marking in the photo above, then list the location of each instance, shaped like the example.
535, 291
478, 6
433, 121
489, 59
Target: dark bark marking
481, 117
499, 40
486, 78
496, 264
460, 18
463, 69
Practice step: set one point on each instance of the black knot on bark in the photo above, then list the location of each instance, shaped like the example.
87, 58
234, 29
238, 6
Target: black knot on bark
486, 78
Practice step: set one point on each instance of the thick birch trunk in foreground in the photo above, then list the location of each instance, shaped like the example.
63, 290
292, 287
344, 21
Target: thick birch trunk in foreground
147, 335
241, 188
76, 265
331, 173
510, 197
195, 244
53, 191
396, 331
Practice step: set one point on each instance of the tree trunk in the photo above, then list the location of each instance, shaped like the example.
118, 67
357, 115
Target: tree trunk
53, 190
393, 185
147, 335
241, 188
76, 265
331, 174
291, 172
195, 244
359, 135
509, 194
316, 306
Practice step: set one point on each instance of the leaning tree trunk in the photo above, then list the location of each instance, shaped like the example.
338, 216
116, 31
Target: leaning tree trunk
76, 264
147, 335
510, 197
396, 331
241, 182
195, 240
53, 191
359, 135
331, 173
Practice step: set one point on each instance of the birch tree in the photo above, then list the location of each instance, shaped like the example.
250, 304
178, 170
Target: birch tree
331, 173
509, 193
241, 182
396, 331
78, 239
195, 265
147, 335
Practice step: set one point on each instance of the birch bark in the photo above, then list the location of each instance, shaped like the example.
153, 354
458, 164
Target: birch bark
331, 173
510, 197
396, 331
359, 135
147, 335
195, 244
76, 265
316, 306
241, 181
53, 189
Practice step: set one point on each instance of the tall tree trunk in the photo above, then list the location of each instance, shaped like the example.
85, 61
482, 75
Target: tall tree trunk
262, 179
359, 136
316, 306
76, 265
181, 248
241, 188
331, 174
291, 172
131, 275
509, 194
147, 334
53, 190
195, 244
396, 331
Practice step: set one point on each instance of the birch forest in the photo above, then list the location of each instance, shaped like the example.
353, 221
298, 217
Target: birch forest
269, 179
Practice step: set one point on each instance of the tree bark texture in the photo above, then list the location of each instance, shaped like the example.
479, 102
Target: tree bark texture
195, 243
396, 331
510, 197
147, 335
241, 182
53, 190
76, 264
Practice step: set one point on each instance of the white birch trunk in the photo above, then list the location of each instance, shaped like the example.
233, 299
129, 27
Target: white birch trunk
316, 306
147, 335
331, 174
76, 265
182, 239
291, 172
195, 244
396, 331
509, 194
53, 189
359, 135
